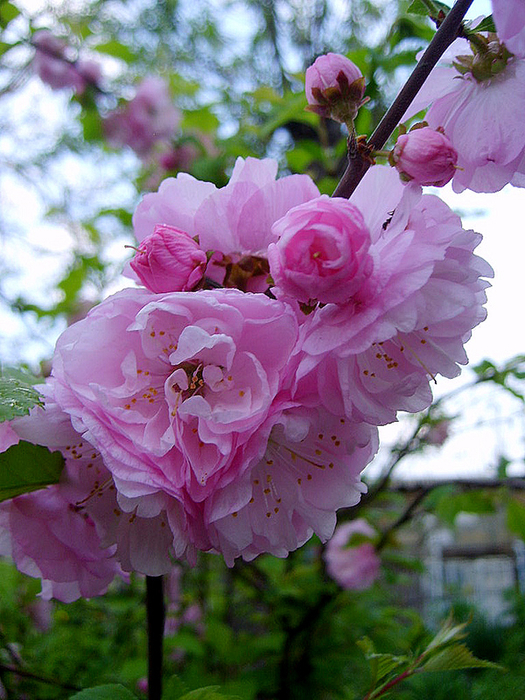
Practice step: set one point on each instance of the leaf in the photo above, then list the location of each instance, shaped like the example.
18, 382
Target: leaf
114, 691
175, 688
8, 12
516, 517
450, 632
17, 397
116, 49
26, 467
486, 25
447, 508
209, 693
454, 658
381, 664
418, 7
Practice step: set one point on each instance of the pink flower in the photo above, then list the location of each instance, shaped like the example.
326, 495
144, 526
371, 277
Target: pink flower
509, 17
408, 323
171, 387
354, 566
169, 260
149, 117
322, 251
334, 87
55, 67
309, 466
237, 218
426, 156
481, 115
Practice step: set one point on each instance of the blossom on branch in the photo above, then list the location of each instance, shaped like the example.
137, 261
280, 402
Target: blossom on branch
55, 67
425, 156
335, 88
350, 556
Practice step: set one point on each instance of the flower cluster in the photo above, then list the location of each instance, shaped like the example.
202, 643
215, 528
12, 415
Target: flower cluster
232, 404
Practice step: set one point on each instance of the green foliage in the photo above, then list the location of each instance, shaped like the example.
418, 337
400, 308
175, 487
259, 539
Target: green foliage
25, 467
17, 394
105, 692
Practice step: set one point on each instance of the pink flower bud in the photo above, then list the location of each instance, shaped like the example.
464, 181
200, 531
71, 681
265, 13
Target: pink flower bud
169, 260
322, 251
334, 87
426, 156
353, 567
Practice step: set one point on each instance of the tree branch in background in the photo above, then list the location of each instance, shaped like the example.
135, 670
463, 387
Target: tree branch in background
445, 35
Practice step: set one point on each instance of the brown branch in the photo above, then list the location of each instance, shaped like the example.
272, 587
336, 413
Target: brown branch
444, 36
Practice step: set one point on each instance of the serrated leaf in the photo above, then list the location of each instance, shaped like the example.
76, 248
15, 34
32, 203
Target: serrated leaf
17, 398
381, 664
114, 691
454, 658
448, 633
25, 467
418, 7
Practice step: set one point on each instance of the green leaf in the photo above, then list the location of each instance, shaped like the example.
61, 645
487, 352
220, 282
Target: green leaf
175, 688
454, 658
516, 517
26, 467
17, 397
447, 508
116, 49
202, 119
211, 692
450, 632
381, 664
114, 691
486, 25
8, 12
418, 7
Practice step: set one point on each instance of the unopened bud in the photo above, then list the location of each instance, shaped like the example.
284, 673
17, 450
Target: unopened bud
425, 156
335, 87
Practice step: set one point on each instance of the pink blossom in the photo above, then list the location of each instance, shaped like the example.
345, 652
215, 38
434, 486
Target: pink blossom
353, 566
426, 156
481, 117
55, 67
322, 251
169, 260
509, 17
8, 436
237, 218
170, 387
149, 117
334, 87
376, 355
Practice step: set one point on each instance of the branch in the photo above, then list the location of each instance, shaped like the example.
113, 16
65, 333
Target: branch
444, 36
41, 679
156, 614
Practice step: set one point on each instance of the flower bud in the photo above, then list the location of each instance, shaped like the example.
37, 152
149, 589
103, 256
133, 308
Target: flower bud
351, 560
322, 251
425, 156
334, 88
169, 260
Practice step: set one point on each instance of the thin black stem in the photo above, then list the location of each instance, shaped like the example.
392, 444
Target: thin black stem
444, 36
156, 614
36, 677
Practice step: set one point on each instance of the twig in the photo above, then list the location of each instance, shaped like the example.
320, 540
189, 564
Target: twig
156, 614
34, 676
444, 36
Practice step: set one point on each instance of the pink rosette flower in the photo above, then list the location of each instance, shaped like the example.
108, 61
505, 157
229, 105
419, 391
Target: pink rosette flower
425, 156
171, 387
322, 252
479, 104
169, 260
308, 466
334, 87
55, 67
237, 218
409, 323
149, 117
78, 534
351, 562
509, 17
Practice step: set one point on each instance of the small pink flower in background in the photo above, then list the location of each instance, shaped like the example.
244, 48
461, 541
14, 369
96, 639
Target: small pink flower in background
149, 117
509, 17
437, 434
169, 260
54, 66
334, 87
353, 566
425, 156
322, 252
